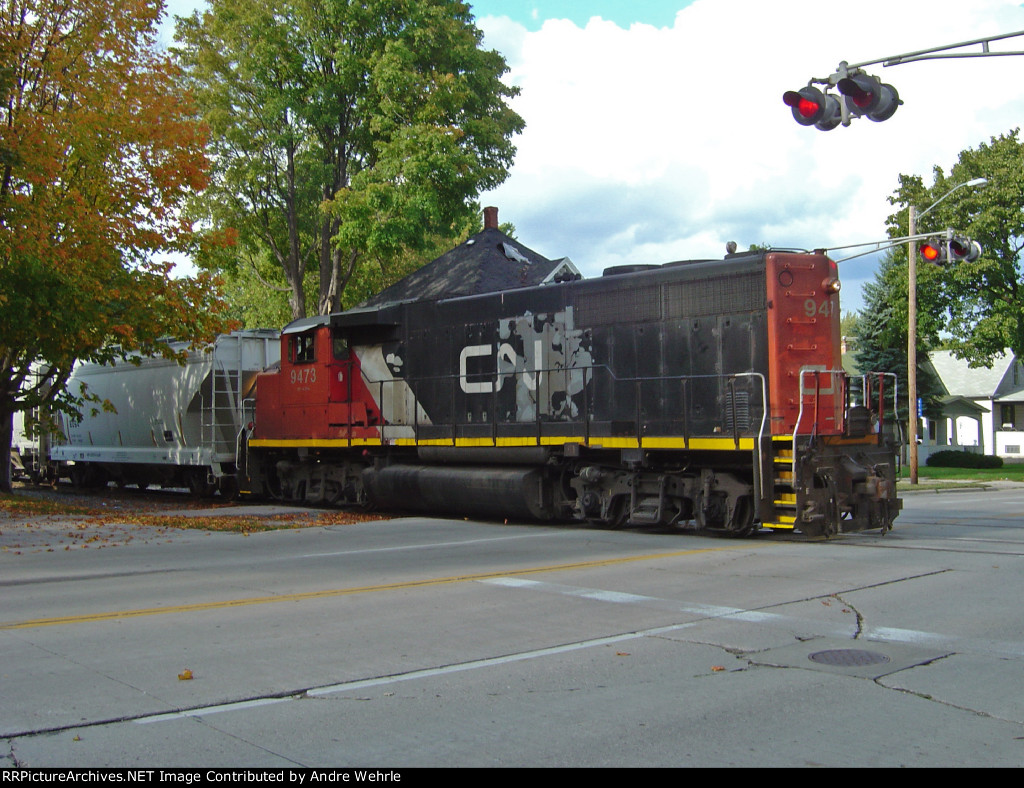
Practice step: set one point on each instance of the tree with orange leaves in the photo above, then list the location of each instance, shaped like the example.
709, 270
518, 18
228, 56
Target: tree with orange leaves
99, 148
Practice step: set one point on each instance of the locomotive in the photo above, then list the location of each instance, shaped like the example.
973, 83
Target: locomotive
704, 391
708, 392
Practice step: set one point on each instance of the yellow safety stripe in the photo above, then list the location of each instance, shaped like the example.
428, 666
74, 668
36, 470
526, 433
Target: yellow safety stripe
707, 444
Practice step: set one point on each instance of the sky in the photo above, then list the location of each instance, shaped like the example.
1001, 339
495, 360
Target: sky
655, 130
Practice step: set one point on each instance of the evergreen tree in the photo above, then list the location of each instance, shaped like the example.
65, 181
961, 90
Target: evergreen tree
882, 339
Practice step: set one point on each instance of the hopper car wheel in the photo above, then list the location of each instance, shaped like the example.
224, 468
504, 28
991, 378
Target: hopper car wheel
78, 477
229, 488
199, 486
86, 477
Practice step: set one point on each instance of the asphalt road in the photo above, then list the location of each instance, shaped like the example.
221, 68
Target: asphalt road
434, 642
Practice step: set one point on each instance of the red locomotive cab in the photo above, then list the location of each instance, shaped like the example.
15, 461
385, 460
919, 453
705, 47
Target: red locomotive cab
806, 382
317, 394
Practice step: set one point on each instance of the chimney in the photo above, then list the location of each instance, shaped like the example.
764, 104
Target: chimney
490, 218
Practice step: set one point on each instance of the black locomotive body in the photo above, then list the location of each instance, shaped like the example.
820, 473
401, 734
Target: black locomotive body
708, 392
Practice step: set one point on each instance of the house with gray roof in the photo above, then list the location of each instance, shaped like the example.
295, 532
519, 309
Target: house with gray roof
487, 262
982, 407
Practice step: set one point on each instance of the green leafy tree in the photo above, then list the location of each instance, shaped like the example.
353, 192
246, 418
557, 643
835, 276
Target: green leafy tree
848, 324
99, 148
345, 135
979, 306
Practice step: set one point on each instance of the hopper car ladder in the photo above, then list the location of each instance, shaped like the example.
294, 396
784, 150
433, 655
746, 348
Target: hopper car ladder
221, 409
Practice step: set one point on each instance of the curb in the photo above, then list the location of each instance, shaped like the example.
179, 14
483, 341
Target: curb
939, 490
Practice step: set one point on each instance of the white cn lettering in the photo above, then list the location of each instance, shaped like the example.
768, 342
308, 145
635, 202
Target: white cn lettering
472, 351
531, 381
504, 353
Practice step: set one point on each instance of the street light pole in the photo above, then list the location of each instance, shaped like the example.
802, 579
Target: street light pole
912, 342
912, 217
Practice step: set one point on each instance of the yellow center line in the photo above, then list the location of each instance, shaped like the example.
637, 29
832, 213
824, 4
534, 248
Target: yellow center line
263, 600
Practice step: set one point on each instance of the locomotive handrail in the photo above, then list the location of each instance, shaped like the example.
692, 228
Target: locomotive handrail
837, 374
728, 378
585, 415
247, 411
588, 370
866, 395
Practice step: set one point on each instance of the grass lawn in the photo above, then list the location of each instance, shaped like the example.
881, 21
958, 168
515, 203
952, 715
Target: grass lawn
1013, 473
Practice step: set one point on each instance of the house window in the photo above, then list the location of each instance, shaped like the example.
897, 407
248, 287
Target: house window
1006, 417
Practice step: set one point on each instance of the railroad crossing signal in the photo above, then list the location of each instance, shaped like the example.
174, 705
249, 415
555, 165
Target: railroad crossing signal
953, 249
861, 95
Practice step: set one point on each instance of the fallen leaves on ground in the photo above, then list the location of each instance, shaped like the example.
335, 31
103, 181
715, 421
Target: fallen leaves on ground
20, 504
250, 523
41, 524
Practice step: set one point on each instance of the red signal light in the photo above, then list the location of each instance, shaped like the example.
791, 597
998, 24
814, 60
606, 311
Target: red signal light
811, 107
932, 251
964, 249
867, 95
807, 108
862, 91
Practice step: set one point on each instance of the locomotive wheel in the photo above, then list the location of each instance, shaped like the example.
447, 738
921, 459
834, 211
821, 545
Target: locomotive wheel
831, 526
617, 515
742, 523
709, 514
713, 518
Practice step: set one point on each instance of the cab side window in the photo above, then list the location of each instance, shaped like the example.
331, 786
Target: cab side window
303, 348
339, 346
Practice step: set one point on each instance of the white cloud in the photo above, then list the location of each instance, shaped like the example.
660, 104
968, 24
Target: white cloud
649, 145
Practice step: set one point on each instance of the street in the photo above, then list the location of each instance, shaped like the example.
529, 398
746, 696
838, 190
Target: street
433, 642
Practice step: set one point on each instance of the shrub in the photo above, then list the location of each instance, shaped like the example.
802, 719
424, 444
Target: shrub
963, 459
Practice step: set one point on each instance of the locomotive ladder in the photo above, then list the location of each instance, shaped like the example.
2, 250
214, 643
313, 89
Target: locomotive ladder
783, 484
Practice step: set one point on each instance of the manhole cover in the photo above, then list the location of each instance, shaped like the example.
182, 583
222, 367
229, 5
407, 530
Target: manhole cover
848, 657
